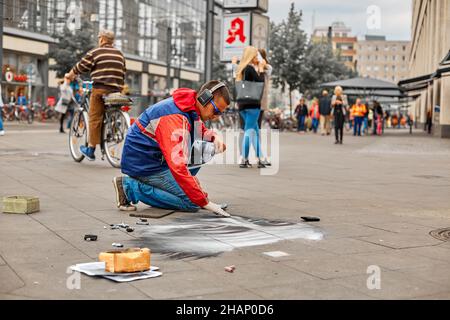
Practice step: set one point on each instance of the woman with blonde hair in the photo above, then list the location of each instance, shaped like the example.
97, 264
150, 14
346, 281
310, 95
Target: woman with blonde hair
339, 105
251, 68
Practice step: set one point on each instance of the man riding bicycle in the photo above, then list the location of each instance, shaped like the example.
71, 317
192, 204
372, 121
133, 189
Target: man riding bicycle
107, 68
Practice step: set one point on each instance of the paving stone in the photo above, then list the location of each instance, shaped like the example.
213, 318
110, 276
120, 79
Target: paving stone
401, 241
394, 285
79, 199
230, 295
9, 280
329, 268
176, 285
52, 279
438, 252
395, 260
310, 290
345, 246
437, 273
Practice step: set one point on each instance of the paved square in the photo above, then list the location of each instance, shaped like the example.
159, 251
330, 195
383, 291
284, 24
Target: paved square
378, 198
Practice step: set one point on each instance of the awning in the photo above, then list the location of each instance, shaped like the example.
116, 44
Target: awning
368, 87
367, 84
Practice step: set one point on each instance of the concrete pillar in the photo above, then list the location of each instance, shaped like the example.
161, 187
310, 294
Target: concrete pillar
144, 84
444, 117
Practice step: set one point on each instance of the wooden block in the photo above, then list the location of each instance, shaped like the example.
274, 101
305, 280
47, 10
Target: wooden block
128, 260
21, 204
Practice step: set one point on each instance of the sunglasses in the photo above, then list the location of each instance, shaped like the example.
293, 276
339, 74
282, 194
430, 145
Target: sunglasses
217, 112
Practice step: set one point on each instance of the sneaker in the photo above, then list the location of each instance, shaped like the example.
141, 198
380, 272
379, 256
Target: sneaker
245, 164
266, 163
122, 203
224, 206
261, 165
88, 152
2, 133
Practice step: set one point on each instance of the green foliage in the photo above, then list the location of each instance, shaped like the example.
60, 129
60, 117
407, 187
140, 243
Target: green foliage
71, 47
298, 63
288, 44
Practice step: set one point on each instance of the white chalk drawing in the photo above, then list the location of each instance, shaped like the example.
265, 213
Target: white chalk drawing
205, 235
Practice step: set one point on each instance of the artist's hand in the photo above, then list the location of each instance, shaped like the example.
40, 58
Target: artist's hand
216, 209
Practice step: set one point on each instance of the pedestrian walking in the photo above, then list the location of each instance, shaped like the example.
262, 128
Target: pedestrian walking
251, 68
339, 104
2, 130
365, 122
315, 115
265, 99
301, 112
325, 113
358, 111
66, 99
429, 123
378, 118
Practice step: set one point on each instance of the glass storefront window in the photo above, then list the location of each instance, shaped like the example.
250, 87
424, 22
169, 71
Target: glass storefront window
133, 80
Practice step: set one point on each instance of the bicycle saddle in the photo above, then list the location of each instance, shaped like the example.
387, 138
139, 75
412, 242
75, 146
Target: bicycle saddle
117, 99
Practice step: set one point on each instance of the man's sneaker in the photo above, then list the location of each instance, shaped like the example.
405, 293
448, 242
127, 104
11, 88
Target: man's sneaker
2, 133
122, 203
88, 152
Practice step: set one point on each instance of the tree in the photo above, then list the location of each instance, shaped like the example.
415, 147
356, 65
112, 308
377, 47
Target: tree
288, 48
322, 65
71, 47
299, 64
219, 71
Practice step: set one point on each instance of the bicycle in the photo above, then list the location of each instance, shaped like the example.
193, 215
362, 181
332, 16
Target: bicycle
23, 113
116, 123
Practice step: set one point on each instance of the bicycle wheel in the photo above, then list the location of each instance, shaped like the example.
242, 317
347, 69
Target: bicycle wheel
115, 130
78, 136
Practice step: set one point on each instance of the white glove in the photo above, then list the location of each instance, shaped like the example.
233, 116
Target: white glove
215, 208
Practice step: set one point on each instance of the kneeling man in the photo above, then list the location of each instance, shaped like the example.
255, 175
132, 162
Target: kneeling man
157, 153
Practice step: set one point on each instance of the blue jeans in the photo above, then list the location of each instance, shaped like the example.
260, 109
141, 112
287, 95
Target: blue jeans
315, 124
251, 132
357, 127
159, 190
366, 124
301, 123
1, 120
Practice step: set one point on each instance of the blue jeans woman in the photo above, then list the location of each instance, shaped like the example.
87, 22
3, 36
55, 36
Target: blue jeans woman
251, 134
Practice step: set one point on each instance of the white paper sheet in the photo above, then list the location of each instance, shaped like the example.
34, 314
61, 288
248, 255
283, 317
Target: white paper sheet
97, 269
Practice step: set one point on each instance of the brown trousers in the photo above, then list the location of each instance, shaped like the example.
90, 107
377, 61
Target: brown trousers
96, 112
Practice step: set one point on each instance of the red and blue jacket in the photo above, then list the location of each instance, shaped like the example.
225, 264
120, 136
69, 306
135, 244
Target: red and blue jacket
160, 139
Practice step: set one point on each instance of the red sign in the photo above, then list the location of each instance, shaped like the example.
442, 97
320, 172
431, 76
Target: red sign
51, 101
236, 31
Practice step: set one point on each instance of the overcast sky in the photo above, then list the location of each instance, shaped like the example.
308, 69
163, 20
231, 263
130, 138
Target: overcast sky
395, 15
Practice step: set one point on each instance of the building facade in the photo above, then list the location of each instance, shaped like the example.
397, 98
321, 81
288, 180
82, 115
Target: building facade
344, 44
141, 28
429, 65
380, 59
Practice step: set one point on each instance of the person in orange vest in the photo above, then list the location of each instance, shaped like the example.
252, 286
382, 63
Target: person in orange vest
358, 111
